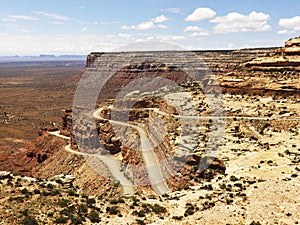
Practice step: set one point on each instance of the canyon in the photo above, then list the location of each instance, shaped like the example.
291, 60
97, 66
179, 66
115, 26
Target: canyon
247, 172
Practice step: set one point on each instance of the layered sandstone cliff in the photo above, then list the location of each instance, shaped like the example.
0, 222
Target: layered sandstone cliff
285, 58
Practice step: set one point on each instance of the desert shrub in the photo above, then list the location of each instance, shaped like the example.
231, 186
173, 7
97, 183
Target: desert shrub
146, 207
229, 201
25, 212
82, 209
236, 128
94, 216
42, 185
29, 220
90, 201
50, 186
54, 192
140, 222
114, 201
17, 184
177, 217
140, 213
121, 200
68, 211
36, 191
190, 209
9, 183
18, 198
75, 220
112, 210
157, 209
71, 192
116, 184
59, 181
63, 202
255, 223
233, 178
61, 220
24, 191
46, 193
135, 201
238, 185
84, 196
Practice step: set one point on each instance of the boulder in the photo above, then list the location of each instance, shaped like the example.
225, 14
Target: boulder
5, 174
212, 163
65, 180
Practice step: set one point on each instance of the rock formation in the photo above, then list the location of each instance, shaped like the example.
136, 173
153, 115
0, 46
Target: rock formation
292, 47
285, 58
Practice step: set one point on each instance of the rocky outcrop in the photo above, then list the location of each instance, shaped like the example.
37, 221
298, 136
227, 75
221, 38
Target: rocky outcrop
292, 47
212, 163
65, 180
108, 138
92, 57
67, 126
5, 175
45, 129
285, 58
25, 160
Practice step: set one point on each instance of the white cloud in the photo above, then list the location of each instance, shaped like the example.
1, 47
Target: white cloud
148, 25
32, 44
51, 15
286, 32
162, 38
231, 45
201, 14
192, 28
83, 29
199, 33
178, 38
101, 22
196, 31
125, 27
22, 17
159, 19
236, 22
172, 10
122, 35
161, 26
8, 20
143, 26
23, 30
56, 23
290, 23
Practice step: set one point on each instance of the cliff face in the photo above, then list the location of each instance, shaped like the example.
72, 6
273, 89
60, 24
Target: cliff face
26, 159
241, 71
292, 47
285, 58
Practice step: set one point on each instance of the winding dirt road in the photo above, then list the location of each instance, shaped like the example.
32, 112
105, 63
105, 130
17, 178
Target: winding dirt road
150, 160
113, 165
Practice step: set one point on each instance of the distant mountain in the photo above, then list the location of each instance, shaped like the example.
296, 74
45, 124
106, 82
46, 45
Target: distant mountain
42, 57
44, 60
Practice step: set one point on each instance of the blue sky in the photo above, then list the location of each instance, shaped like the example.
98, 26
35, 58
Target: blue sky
33, 27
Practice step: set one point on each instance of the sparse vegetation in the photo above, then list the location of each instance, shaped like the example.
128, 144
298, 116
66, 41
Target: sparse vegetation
255, 223
94, 216
29, 220
61, 220
252, 148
